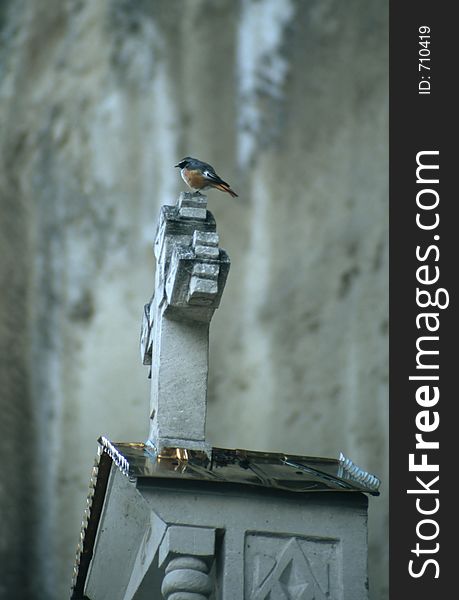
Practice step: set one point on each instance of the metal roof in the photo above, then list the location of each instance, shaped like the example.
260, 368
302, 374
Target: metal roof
267, 469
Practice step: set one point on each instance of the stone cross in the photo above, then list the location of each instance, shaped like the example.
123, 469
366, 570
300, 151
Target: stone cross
190, 277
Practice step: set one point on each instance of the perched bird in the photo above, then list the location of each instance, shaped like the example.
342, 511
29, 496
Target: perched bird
199, 175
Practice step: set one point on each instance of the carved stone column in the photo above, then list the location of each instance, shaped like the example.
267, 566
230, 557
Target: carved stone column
186, 553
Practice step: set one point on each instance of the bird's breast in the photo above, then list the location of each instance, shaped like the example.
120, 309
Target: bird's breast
193, 178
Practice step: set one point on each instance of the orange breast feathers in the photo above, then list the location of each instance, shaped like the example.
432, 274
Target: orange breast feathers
194, 179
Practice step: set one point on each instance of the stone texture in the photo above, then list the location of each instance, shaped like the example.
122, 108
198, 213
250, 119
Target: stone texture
192, 541
288, 100
255, 543
177, 327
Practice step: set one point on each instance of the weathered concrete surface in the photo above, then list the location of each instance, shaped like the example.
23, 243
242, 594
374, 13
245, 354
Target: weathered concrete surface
17, 498
98, 101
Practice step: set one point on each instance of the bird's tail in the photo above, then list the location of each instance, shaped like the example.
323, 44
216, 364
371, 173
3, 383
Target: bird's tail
224, 187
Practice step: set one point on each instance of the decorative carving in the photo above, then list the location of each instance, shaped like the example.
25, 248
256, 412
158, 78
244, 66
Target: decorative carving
187, 553
290, 568
188, 257
186, 578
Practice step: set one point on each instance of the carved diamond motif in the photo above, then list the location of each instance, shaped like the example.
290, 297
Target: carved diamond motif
291, 568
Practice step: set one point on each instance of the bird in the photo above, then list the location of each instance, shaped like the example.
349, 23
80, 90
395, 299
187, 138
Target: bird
199, 175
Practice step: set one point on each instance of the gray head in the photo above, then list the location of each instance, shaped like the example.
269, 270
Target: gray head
186, 162
193, 163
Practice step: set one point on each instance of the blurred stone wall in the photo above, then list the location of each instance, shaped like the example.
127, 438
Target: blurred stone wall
98, 100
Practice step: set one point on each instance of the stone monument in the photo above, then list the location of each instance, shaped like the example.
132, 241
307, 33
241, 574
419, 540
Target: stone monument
175, 518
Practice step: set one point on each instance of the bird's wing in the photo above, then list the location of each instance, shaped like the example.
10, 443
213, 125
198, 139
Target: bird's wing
210, 175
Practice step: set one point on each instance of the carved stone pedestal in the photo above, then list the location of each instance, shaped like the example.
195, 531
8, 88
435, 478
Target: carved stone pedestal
242, 526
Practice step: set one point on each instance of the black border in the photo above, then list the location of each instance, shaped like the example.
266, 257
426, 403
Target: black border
421, 122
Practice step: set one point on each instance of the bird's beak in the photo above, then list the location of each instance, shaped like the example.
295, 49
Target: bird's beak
177, 165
